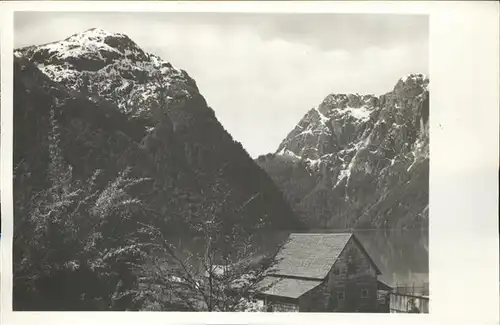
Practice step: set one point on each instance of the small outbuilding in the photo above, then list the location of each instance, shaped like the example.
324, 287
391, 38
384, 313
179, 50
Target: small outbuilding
329, 272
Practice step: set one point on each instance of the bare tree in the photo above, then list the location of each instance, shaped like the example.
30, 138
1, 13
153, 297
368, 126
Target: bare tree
223, 271
223, 275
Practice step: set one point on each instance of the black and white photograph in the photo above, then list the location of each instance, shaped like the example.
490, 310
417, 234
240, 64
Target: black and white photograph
222, 162
263, 166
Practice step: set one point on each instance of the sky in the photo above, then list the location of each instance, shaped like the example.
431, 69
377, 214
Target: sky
261, 72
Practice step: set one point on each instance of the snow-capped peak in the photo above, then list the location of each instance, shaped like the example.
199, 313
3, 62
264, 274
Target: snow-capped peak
96, 46
93, 34
111, 66
351, 140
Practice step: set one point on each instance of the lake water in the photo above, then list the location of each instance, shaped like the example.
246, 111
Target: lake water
401, 255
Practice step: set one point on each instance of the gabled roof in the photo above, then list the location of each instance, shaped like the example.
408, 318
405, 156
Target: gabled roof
312, 256
286, 287
383, 286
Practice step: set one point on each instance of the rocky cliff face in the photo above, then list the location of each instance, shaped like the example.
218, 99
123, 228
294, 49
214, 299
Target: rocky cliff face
120, 107
359, 160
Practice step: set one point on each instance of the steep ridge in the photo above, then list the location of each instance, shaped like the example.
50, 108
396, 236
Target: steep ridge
359, 161
120, 106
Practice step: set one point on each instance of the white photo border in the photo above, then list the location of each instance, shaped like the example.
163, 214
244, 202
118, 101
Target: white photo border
463, 240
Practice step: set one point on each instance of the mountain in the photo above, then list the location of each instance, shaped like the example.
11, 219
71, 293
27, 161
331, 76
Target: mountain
120, 107
359, 161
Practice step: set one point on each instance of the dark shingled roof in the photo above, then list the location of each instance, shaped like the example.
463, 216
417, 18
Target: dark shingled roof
382, 286
312, 255
286, 287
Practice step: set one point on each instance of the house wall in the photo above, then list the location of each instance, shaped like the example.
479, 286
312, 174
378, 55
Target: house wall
315, 300
279, 304
351, 273
285, 307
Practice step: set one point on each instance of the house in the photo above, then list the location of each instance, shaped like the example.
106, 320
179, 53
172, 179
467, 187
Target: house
321, 273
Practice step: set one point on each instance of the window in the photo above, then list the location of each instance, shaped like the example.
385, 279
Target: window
341, 295
364, 293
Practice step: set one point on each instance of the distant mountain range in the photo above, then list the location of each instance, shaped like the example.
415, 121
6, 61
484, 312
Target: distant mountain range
359, 161
118, 107
353, 161
117, 155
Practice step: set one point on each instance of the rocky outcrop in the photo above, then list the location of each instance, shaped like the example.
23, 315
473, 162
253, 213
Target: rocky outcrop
359, 160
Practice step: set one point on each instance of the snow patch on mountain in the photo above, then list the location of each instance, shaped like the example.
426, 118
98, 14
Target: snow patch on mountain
78, 46
356, 153
57, 73
288, 153
113, 67
360, 113
322, 118
346, 172
313, 163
